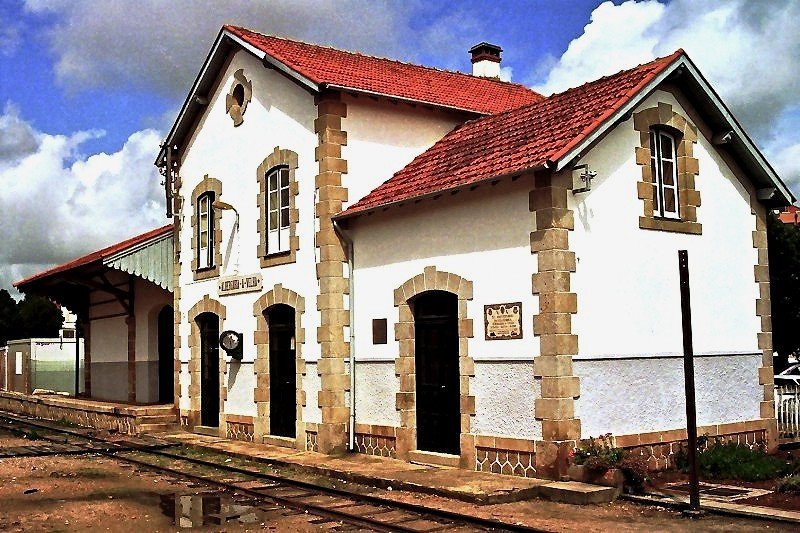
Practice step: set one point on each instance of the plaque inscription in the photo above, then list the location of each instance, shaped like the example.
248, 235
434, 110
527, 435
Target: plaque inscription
503, 321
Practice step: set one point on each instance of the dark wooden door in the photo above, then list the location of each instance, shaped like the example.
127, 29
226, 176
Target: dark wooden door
282, 372
209, 369
166, 367
437, 376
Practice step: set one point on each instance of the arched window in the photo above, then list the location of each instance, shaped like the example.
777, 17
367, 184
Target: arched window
205, 231
663, 165
277, 222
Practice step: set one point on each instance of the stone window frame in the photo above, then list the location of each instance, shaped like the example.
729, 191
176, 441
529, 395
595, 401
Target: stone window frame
277, 295
206, 305
278, 158
685, 135
206, 185
405, 333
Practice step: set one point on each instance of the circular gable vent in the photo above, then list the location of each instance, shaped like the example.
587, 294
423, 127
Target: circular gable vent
238, 97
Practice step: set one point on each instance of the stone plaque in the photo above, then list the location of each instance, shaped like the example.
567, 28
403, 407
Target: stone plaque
503, 321
239, 283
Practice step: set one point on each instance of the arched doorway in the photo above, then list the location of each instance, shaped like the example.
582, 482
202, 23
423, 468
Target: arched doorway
208, 324
437, 372
166, 366
282, 371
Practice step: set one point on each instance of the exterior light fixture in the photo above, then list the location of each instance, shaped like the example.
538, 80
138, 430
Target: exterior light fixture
586, 177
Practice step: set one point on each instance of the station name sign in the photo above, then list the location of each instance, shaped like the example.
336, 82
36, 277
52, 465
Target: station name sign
237, 284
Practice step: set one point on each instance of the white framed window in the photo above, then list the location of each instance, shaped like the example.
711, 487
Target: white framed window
665, 176
278, 211
205, 231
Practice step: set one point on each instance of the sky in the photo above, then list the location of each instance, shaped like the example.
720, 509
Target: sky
89, 88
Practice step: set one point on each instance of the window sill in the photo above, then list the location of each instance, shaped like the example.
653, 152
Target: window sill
206, 273
278, 258
671, 225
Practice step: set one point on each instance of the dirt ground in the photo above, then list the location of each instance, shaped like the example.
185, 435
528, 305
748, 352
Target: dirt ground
94, 493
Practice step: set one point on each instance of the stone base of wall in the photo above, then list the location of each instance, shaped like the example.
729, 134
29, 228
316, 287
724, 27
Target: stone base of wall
239, 427
312, 437
376, 440
659, 448
86, 413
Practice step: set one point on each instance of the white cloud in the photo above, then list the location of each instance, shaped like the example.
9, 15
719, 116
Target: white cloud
58, 204
748, 50
787, 164
161, 45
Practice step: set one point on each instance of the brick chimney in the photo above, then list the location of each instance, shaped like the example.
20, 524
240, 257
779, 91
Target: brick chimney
486, 60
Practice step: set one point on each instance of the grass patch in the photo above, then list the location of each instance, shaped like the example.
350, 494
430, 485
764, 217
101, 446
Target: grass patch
789, 484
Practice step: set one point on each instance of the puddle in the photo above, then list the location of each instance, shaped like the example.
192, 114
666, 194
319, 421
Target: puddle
197, 510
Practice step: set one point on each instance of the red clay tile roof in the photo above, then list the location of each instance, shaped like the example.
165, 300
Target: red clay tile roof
514, 141
95, 257
391, 78
790, 215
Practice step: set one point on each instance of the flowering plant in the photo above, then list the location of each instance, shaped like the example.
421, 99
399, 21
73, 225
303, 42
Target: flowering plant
598, 454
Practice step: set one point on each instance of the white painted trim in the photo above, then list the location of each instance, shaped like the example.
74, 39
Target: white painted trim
137, 247
627, 108
683, 62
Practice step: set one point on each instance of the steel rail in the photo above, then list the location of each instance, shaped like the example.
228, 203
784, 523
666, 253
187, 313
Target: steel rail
423, 512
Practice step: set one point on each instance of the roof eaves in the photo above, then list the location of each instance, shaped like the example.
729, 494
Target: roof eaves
190, 98
348, 213
576, 146
748, 143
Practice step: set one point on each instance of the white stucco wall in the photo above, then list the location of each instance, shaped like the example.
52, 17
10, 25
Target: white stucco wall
280, 114
629, 300
482, 236
382, 138
507, 391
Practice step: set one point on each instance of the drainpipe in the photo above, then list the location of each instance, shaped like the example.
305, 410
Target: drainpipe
351, 299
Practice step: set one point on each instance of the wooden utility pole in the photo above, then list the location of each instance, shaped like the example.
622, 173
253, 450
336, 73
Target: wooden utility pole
688, 375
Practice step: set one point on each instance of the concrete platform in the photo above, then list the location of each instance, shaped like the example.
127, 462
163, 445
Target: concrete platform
383, 472
98, 414
576, 493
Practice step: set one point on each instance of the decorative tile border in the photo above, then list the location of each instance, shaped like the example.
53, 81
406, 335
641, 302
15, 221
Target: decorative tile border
261, 395
659, 447
239, 427
376, 440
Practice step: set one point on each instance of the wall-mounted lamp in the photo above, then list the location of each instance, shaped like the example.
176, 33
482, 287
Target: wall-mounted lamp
586, 177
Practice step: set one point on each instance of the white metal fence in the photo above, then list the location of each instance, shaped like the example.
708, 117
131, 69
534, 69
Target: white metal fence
787, 411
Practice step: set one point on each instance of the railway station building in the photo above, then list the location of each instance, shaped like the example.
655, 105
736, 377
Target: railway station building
450, 269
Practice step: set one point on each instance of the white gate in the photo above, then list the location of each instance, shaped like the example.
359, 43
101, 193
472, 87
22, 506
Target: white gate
787, 411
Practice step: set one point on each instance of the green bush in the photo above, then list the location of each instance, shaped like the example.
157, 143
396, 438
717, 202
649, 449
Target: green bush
729, 460
790, 484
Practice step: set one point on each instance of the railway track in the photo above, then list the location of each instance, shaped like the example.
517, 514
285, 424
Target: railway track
331, 505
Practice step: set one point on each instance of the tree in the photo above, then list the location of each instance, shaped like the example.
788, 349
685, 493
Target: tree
38, 317
784, 273
8, 317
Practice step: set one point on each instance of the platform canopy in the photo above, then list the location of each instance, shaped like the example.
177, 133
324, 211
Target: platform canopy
148, 256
